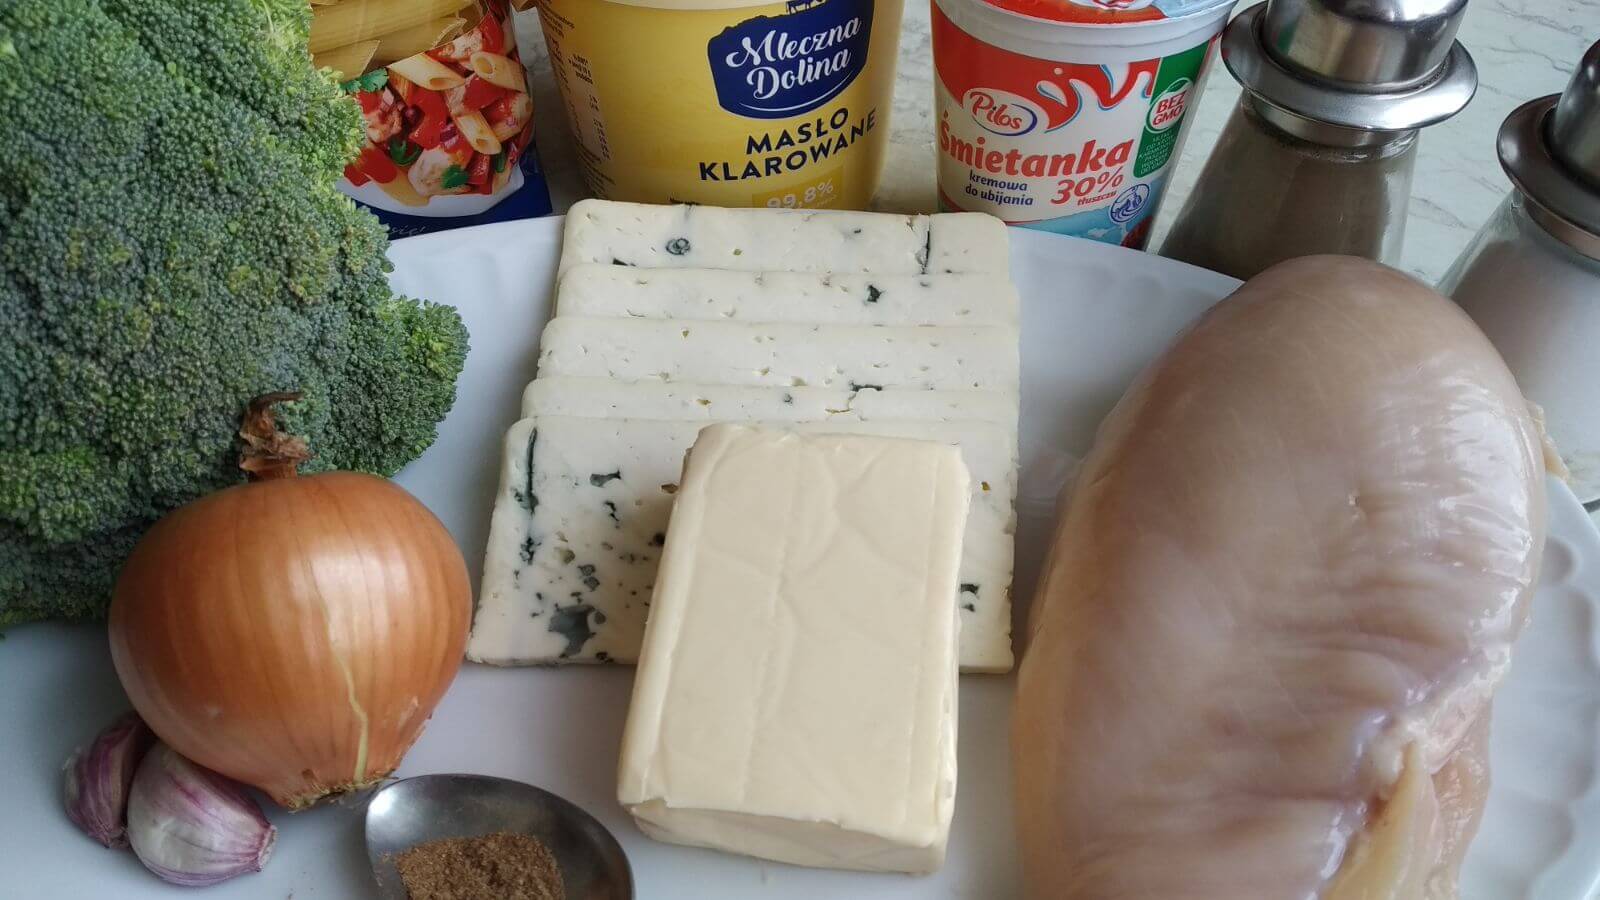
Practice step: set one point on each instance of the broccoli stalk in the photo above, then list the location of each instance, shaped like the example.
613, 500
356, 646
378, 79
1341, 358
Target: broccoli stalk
172, 244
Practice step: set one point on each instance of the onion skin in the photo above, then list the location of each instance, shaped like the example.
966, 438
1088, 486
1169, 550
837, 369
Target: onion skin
293, 634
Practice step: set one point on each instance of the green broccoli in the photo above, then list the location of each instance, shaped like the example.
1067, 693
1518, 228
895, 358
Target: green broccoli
172, 244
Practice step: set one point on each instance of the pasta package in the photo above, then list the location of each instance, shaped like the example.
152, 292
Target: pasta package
448, 115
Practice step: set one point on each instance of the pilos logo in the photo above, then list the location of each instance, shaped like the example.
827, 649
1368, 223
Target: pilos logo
1001, 112
775, 67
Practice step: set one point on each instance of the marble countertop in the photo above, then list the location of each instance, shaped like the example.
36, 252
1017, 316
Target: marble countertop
1524, 49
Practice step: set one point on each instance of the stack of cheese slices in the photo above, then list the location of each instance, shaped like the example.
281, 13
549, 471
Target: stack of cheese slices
671, 318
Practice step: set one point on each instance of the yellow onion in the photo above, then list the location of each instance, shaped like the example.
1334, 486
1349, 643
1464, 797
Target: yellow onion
293, 633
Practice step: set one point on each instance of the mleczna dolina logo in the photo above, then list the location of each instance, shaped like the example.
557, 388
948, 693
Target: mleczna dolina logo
775, 67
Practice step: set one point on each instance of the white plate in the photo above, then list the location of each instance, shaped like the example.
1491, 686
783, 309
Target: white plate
1093, 315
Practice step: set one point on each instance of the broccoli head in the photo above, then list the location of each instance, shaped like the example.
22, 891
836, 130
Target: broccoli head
172, 244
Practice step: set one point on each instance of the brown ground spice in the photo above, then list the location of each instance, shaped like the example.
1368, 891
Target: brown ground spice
500, 866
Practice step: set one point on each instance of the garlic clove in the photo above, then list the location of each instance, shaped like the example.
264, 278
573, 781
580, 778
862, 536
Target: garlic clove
97, 778
194, 827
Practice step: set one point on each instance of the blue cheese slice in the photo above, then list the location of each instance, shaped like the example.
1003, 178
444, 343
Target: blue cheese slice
778, 240
581, 517
810, 298
967, 242
796, 695
850, 357
611, 399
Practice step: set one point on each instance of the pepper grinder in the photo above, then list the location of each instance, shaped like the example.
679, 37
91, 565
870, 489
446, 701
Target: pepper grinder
1318, 155
1531, 278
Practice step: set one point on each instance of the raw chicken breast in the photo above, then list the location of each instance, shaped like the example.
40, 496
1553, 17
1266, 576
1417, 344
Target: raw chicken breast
1288, 581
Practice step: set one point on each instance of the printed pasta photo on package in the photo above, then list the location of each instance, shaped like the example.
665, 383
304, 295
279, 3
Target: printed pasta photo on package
449, 119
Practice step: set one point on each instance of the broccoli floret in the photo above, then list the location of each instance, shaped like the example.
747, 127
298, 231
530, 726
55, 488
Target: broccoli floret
172, 244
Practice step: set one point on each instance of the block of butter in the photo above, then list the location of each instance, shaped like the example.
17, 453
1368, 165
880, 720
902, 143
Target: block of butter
796, 694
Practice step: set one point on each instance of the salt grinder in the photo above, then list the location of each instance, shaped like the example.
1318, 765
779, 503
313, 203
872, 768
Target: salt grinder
1531, 278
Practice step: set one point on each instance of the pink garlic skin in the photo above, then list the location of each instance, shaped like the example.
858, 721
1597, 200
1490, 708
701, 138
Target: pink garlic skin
97, 778
193, 827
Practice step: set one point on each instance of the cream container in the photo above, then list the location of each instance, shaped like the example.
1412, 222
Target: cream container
727, 102
1067, 115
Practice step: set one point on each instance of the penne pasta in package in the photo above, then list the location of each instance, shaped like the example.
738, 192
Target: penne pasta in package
448, 116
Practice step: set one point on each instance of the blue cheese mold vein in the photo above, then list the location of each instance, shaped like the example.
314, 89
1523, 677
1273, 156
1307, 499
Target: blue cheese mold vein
538, 597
